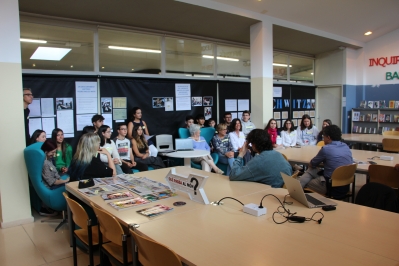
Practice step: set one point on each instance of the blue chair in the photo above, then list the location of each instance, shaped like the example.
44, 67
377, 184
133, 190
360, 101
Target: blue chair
207, 133
34, 159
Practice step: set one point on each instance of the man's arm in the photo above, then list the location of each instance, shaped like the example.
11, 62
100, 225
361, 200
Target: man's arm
319, 158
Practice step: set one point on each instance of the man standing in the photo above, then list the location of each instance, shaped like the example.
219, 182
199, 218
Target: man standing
227, 120
28, 98
333, 155
98, 121
247, 125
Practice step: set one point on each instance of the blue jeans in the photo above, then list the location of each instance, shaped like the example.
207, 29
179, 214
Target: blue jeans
229, 161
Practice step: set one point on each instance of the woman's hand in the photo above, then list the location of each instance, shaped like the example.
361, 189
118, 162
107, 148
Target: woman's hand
229, 154
243, 150
104, 151
116, 161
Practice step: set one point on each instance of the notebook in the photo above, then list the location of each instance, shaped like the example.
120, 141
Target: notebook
311, 200
184, 144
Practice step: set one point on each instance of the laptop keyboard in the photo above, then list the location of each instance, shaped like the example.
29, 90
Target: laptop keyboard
314, 201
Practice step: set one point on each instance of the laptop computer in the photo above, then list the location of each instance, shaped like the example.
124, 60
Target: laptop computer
184, 144
311, 200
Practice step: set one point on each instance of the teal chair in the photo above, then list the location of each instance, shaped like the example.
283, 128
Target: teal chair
34, 159
207, 133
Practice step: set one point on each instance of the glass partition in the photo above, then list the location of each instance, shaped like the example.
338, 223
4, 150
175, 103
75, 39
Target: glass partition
280, 67
233, 62
301, 70
56, 48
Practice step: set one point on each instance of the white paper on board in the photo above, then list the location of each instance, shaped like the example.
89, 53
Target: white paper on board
107, 119
169, 105
183, 90
83, 120
86, 106
239, 115
277, 92
34, 123
48, 124
85, 89
183, 103
34, 108
65, 121
230, 105
233, 115
243, 104
47, 107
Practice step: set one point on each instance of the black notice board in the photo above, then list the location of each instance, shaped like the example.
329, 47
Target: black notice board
232, 90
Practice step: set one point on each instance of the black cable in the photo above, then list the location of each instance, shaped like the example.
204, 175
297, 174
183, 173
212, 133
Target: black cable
311, 218
230, 198
287, 202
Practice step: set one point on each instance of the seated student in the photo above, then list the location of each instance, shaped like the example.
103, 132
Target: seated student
288, 134
98, 121
265, 167
104, 132
222, 145
137, 120
124, 147
271, 129
50, 174
199, 143
63, 156
306, 132
200, 120
189, 121
326, 123
38, 136
141, 150
86, 162
89, 129
211, 123
237, 139
247, 125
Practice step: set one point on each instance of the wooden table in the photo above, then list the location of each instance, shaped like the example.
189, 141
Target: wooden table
366, 138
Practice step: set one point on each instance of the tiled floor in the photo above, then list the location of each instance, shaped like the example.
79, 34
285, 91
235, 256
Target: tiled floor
37, 244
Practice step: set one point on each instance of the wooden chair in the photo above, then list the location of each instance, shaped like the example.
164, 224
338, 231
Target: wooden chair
295, 174
345, 175
320, 143
390, 133
87, 233
391, 145
153, 253
118, 249
386, 175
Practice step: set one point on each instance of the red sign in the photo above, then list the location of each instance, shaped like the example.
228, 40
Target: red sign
384, 61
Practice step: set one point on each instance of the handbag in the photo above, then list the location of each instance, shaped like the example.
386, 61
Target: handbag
86, 183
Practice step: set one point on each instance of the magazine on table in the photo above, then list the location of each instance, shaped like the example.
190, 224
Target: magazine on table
99, 189
128, 203
119, 179
144, 186
118, 195
155, 210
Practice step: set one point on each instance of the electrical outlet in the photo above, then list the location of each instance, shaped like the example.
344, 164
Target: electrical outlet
254, 209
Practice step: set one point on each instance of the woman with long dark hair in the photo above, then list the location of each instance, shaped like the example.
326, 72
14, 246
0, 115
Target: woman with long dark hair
104, 132
38, 136
271, 129
326, 123
288, 134
63, 155
306, 132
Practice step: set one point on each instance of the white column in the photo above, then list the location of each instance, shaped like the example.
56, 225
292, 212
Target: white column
261, 73
14, 189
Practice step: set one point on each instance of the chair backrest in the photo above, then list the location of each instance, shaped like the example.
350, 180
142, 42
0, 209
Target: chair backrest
109, 226
320, 143
343, 175
164, 142
184, 133
79, 214
34, 159
285, 157
378, 196
208, 133
153, 253
390, 144
382, 174
390, 133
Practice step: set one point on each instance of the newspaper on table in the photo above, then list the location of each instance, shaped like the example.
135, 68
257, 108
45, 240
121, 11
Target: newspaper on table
155, 210
128, 203
118, 195
99, 189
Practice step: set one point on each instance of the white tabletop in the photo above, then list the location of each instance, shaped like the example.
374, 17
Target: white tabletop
187, 155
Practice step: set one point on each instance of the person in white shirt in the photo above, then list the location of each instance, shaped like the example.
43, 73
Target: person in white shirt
237, 139
104, 132
288, 135
306, 132
247, 125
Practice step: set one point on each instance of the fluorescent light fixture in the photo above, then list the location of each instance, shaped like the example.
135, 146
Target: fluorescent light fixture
221, 58
32, 40
368, 33
282, 65
135, 49
50, 53
198, 75
311, 73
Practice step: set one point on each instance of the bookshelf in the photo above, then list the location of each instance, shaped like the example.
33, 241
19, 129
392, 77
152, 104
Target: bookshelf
374, 120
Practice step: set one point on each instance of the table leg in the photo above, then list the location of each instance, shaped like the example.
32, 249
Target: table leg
187, 162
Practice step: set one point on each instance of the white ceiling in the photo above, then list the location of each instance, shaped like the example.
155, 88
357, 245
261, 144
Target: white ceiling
347, 18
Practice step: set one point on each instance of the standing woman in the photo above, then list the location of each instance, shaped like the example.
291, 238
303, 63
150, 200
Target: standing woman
86, 162
136, 121
271, 128
306, 132
63, 155
104, 132
288, 134
141, 150
38, 136
222, 145
326, 123
237, 139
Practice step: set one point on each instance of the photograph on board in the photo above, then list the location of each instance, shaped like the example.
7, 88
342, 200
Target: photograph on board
64, 103
196, 101
207, 112
158, 102
208, 101
106, 105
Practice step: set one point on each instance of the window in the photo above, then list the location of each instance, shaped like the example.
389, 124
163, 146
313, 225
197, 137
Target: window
233, 62
301, 70
280, 67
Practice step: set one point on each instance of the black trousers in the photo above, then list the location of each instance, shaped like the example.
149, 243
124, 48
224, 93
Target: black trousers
139, 166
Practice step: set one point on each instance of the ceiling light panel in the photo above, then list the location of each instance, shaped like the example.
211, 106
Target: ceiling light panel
49, 53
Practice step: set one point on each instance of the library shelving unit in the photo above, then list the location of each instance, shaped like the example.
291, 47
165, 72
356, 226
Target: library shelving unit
373, 120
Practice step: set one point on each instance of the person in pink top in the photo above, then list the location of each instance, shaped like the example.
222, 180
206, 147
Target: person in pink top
271, 128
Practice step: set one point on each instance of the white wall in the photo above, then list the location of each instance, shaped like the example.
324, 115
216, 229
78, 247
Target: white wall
329, 68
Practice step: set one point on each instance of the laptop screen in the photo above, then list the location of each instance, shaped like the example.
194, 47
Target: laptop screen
184, 144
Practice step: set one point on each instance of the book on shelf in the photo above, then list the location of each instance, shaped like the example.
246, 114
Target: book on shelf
374, 118
368, 118
375, 131
387, 118
356, 116
382, 104
381, 118
363, 104
370, 104
354, 130
396, 118
359, 130
362, 118
391, 104
396, 104
376, 104
370, 130
155, 210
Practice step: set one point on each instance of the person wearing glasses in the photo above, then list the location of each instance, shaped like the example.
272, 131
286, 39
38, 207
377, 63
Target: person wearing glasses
247, 125
288, 135
222, 145
28, 98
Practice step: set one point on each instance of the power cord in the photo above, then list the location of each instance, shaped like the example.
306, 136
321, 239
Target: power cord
218, 203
